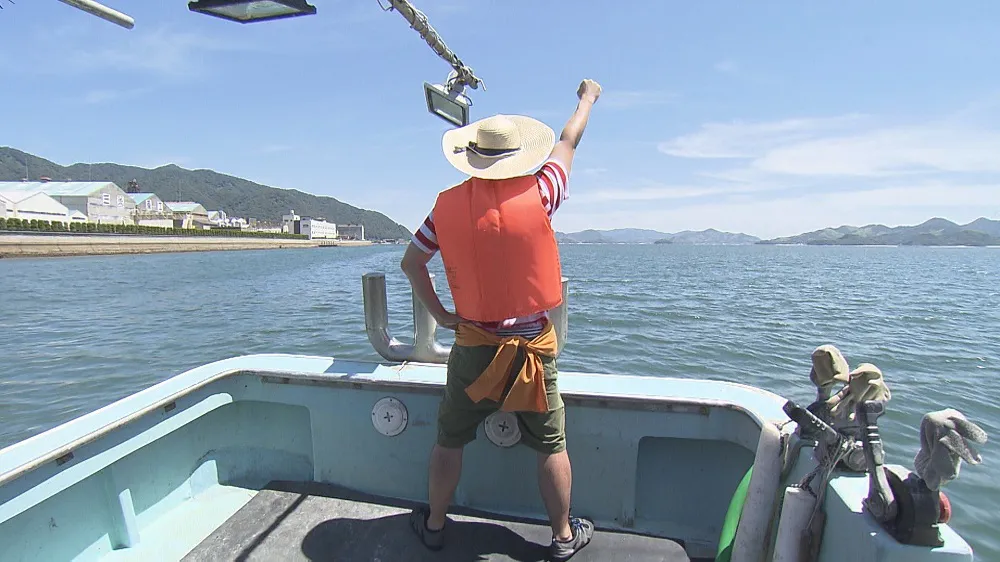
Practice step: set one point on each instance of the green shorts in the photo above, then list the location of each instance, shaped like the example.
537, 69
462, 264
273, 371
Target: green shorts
459, 417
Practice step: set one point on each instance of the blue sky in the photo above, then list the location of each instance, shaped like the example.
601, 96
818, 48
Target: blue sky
769, 118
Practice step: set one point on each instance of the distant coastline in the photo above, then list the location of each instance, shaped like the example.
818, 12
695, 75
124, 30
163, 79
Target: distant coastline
64, 245
981, 232
259, 204
646, 236
934, 232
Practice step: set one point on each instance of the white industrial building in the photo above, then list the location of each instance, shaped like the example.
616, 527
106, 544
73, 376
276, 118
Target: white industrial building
150, 210
30, 205
101, 202
220, 218
188, 214
288, 221
313, 228
6, 207
351, 231
317, 228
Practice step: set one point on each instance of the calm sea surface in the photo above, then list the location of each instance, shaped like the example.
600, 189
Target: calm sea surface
78, 333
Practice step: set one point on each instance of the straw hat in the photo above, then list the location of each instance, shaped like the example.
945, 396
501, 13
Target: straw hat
499, 147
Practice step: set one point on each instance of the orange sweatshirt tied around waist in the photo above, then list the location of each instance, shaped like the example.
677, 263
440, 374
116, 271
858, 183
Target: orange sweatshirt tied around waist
528, 391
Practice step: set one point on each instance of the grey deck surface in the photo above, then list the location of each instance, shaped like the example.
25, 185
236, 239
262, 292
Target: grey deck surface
309, 521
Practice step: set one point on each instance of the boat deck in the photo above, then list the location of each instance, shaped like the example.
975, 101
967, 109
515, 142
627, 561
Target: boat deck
310, 521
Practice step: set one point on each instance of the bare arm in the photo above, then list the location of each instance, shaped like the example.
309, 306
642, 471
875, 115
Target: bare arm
414, 265
572, 133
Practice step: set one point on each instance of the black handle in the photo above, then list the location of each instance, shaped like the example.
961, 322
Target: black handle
880, 501
810, 424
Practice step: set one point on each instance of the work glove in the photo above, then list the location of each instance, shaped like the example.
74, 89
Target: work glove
864, 383
829, 366
944, 444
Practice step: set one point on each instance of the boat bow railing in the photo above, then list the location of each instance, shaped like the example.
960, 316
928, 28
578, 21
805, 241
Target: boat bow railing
425, 348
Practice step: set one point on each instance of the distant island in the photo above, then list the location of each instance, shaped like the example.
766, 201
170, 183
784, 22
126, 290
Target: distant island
934, 232
236, 196
645, 236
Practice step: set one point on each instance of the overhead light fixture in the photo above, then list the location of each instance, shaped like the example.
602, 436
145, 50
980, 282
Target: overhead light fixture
453, 107
246, 11
449, 101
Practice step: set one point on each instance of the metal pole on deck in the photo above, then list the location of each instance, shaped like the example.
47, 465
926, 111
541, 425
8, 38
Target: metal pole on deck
425, 347
560, 316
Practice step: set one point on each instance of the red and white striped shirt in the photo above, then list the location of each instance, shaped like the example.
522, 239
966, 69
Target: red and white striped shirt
552, 186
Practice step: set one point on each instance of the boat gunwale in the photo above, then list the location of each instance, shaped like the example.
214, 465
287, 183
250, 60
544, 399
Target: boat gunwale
88, 438
276, 376
575, 397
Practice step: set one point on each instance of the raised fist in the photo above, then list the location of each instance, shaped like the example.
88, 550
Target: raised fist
589, 89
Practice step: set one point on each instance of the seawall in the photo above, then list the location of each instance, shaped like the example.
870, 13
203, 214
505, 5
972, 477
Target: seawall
31, 245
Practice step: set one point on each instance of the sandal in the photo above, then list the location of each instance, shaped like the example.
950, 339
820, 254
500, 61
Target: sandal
433, 540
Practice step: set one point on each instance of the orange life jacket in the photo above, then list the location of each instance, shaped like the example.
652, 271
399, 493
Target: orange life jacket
498, 247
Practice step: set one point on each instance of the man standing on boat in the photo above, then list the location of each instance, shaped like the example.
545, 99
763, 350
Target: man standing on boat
502, 263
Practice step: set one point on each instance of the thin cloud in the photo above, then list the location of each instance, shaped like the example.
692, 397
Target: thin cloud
804, 174
629, 99
272, 148
726, 67
746, 139
887, 152
161, 52
94, 97
794, 214
848, 146
661, 192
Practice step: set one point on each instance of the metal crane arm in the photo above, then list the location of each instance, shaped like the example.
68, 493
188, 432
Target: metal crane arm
418, 21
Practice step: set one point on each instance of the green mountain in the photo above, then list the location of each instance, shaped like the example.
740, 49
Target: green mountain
235, 196
934, 232
984, 225
712, 237
630, 235
645, 236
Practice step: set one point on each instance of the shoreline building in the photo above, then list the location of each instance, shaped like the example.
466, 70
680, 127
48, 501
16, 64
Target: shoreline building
311, 227
188, 214
100, 201
351, 231
150, 210
288, 222
222, 220
317, 228
29, 205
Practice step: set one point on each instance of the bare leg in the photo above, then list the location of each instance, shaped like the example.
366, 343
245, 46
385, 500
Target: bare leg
555, 480
445, 471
